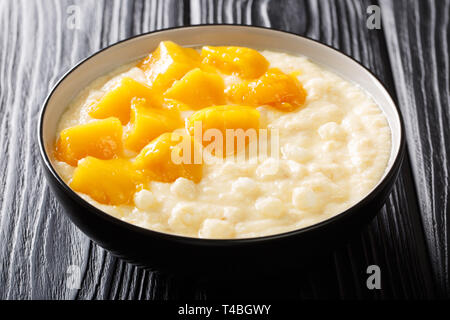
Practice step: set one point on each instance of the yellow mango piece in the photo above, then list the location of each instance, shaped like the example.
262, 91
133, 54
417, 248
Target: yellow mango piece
176, 105
274, 88
148, 123
101, 139
117, 102
244, 62
222, 118
164, 159
225, 117
111, 182
198, 89
169, 62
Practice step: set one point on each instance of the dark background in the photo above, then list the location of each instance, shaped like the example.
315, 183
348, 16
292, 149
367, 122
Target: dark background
409, 238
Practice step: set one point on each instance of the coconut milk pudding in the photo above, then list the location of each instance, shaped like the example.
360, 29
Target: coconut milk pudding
327, 142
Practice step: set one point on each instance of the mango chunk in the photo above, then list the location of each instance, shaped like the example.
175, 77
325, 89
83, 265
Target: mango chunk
223, 118
148, 123
244, 62
198, 89
117, 102
169, 62
111, 182
274, 88
176, 105
101, 139
169, 157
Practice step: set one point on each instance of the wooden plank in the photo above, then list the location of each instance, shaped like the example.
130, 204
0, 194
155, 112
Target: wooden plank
418, 41
39, 243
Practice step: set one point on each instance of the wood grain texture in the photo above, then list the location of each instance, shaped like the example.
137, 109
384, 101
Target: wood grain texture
38, 243
418, 44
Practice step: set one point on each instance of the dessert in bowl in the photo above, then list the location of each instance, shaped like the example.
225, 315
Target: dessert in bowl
309, 148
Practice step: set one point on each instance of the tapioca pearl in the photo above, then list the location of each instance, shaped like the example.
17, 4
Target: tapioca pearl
245, 186
316, 87
332, 145
360, 187
295, 169
112, 210
361, 161
138, 222
376, 121
305, 198
255, 227
270, 207
373, 109
248, 167
371, 176
305, 222
145, 199
208, 190
340, 86
280, 188
158, 227
302, 139
269, 169
331, 131
318, 182
134, 215
293, 152
297, 122
360, 146
352, 124
231, 168
233, 214
185, 215
216, 228
338, 192
331, 171
326, 112
296, 214
367, 108
183, 188
355, 95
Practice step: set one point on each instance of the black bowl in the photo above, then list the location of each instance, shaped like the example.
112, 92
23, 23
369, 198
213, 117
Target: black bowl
174, 253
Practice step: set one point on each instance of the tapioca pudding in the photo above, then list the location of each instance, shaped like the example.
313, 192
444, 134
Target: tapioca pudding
321, 143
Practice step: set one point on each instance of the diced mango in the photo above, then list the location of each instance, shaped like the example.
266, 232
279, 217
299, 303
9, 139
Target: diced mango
101, 139
198, 89
244, 62
111, 182
169, 157
148, 123
117, 102
223, 118
176, 105
169, 62
274, 88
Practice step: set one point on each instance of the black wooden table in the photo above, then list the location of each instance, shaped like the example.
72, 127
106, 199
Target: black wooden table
42, 39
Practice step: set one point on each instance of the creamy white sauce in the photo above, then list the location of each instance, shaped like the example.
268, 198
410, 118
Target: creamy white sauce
333, 152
